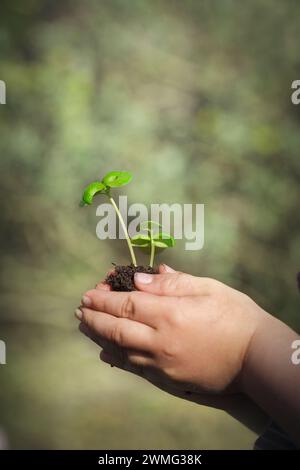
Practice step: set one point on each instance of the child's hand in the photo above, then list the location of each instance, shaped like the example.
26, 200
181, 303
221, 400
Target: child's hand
183, 333
201, 340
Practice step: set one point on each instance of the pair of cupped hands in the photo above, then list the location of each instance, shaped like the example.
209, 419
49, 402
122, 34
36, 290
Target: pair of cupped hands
189, 336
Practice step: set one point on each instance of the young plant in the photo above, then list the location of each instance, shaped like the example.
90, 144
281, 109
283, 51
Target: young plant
154, 238
113, 179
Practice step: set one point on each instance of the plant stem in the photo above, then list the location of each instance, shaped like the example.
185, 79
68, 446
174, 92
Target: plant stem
125, 230
152, 250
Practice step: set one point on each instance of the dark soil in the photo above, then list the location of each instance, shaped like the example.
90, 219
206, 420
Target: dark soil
122, 278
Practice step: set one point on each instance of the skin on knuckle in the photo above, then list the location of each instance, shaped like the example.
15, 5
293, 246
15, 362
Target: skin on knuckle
175, 321
187, 283
178, 279
167, 366
127, 307
168, 283
117, 335
175, 317
169, 351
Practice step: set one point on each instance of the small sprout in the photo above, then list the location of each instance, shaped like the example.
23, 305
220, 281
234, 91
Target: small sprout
112, 179
152, 240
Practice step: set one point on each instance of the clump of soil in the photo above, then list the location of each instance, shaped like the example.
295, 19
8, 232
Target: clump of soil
122, 278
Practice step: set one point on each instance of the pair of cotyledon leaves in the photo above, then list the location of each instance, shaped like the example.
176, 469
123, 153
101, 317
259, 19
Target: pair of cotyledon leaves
114, 179
154, 236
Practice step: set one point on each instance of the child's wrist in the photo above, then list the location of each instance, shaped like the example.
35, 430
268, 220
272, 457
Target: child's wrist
260, 342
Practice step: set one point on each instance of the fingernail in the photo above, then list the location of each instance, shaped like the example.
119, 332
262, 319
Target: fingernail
143, 278
168, 269
86, 301
78, 313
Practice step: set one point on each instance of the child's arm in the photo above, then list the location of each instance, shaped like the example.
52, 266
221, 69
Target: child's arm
270, 378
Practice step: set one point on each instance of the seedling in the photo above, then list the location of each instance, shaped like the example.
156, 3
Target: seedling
113, 179
123, 276
153, 239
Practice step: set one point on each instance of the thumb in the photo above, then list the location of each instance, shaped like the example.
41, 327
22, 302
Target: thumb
171, 283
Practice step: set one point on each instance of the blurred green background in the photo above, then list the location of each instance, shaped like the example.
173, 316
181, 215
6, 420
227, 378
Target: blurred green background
194, 98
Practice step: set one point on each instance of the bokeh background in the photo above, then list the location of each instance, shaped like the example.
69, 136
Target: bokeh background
193, 97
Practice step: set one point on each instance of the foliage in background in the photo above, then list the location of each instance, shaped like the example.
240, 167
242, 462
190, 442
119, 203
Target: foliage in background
196, 96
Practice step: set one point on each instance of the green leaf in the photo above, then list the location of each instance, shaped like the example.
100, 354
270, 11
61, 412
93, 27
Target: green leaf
163, 240
142, 241
114, 179
90, 191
